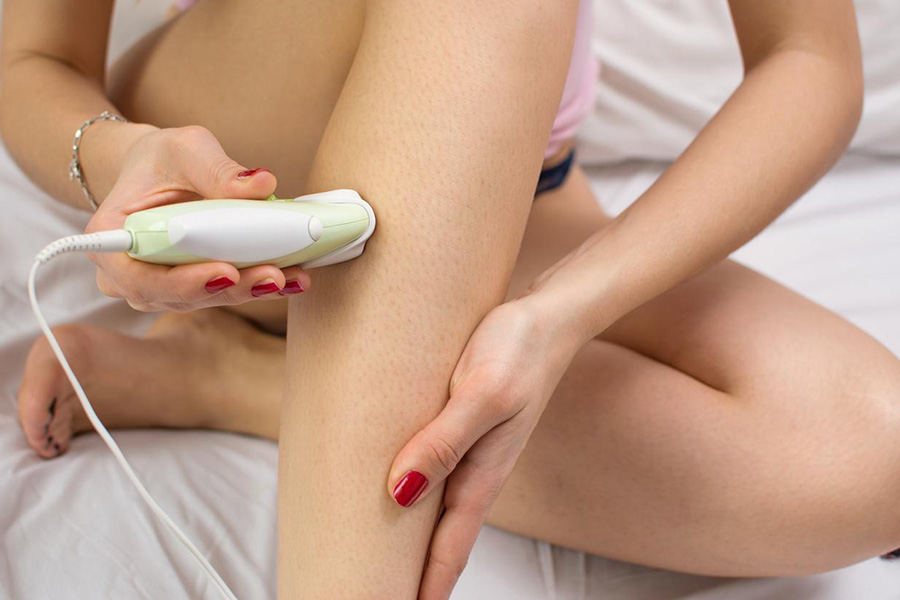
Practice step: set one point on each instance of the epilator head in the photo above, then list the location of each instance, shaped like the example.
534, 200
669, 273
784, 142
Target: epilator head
310, 231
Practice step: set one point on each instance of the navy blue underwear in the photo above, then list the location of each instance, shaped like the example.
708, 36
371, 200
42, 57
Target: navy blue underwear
553, 177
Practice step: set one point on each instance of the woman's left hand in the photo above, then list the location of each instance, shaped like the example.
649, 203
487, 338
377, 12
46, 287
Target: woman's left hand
507, 372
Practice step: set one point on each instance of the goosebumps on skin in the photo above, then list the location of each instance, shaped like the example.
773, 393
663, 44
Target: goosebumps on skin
450, 170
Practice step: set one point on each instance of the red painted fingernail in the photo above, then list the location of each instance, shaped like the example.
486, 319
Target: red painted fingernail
409, 488
251, 172
218, 284
261, 289
292, 286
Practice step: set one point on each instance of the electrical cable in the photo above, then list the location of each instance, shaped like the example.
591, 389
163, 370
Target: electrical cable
118, 240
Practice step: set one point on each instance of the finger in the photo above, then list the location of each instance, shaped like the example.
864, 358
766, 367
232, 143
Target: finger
213, 174
468, 500
150, 284
262, 282
296, 281
432, 454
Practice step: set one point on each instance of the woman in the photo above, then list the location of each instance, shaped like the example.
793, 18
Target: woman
676, 406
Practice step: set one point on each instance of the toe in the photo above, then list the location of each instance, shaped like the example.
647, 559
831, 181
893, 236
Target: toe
43, 394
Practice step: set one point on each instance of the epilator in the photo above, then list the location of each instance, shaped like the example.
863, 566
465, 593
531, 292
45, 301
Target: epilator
310, 231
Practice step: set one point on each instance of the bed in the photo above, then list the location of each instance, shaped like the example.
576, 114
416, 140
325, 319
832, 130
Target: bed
72, 527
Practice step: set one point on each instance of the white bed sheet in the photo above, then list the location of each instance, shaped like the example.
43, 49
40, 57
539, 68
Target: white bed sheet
72, 528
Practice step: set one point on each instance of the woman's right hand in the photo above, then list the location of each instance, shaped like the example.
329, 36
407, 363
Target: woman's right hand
165, 166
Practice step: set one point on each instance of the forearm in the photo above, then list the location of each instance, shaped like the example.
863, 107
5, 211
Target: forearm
781, 130
46, 97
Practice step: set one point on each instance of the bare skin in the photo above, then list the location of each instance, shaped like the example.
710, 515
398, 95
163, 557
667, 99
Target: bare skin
695, 408
617, 395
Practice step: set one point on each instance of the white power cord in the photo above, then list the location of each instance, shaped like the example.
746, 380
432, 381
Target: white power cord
109, 241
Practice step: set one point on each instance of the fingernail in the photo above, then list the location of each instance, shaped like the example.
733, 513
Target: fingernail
217, 284
409, 488
251, 172
292, 286
261, 289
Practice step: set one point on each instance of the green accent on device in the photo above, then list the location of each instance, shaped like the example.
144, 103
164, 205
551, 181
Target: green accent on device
310, 231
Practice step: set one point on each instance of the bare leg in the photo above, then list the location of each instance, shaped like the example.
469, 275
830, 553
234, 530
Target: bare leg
220, 373
822, 471
642, 455
450, 170
729, 427
444, 152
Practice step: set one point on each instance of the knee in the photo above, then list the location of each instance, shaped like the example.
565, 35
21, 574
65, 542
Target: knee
855, 477
819, 480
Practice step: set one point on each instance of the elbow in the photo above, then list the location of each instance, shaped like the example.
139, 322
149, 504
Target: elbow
831, 80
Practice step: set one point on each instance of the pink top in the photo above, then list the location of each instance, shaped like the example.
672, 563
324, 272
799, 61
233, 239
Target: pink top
578, 95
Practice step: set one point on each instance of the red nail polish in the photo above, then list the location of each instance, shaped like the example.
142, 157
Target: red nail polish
292, 286
409, 488
261, 289
251, 172
218, 284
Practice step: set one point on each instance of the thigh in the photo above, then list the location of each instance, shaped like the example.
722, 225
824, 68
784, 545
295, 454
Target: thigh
262, 75
727, 413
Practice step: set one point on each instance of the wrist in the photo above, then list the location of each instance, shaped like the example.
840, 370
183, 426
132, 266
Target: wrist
578, 296
563, 329
104, 150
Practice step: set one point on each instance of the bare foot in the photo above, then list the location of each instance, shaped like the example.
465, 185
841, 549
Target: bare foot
209, 369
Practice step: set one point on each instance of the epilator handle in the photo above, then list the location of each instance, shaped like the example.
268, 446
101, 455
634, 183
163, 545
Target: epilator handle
243, 235
310, 231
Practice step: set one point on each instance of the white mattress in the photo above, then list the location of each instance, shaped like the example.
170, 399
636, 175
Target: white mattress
71, 528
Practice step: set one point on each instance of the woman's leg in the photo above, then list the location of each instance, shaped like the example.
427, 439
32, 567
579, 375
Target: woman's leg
450, 169
221, 373
657, 465
671, 476
729, 427
440, 125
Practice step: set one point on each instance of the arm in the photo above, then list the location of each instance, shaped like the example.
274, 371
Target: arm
781, 130
53, 68
53, 71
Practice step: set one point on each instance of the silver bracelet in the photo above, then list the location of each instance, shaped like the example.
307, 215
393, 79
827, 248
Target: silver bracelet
75, 171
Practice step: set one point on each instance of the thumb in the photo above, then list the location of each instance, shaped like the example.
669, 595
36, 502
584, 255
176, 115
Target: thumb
435, 451
213, 174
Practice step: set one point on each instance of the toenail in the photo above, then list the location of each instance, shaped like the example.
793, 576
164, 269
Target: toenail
217, 284
46, 429
292, 286
263, 288
251, 172
57, 448
52, 408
